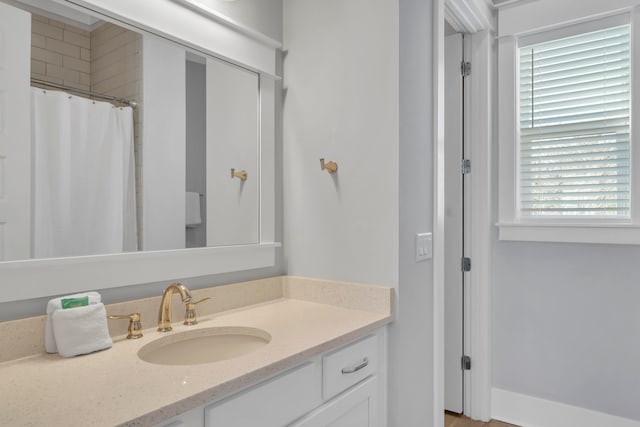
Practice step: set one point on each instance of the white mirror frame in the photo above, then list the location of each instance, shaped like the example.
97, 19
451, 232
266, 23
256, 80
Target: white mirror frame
204, 31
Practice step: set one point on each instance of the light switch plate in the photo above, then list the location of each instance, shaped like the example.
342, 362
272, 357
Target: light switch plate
424, 245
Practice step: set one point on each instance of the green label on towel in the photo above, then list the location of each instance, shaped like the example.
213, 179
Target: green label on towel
75, 302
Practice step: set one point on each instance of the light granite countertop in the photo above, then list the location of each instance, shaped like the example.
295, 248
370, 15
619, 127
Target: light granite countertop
114, 387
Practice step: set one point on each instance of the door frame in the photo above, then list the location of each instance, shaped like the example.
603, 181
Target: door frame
477, 400
455, 223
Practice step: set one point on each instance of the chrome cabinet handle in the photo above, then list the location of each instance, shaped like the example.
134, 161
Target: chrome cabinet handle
356, 368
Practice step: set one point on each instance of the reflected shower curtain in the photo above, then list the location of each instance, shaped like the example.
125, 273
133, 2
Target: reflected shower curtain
84, 176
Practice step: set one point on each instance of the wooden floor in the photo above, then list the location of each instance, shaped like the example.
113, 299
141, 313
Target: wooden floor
455, 420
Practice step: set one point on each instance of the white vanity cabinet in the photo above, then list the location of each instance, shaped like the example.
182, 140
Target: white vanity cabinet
357, 407
349, 387
341, 388
274, 403
193, 418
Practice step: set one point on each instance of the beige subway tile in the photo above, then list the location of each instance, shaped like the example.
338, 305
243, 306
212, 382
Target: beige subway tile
40, 18
85, 54
38, 67
126, 53
117, 87
63, 48
111, 86
66, 49
38, 40
77, 30
46, 30
104, 26
62, 73
76, 85
131, 90
47, 56
126, 90
104, 34
55, 23
46, 78
76, 64
85, 79
117, 41
116, 72
77, 39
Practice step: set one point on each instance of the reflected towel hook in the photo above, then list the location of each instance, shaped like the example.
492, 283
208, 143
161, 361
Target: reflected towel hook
240, 174
329, 166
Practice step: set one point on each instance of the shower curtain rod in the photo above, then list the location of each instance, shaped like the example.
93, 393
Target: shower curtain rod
132, 104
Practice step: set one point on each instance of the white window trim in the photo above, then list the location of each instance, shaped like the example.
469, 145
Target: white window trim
510, 225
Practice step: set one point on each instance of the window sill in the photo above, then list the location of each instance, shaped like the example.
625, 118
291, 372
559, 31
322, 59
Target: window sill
614, 234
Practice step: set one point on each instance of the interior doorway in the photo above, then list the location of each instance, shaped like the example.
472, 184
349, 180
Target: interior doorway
478, 46
455, 258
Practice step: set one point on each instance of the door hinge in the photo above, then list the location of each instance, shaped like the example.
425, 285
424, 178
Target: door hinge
465, 363
465, 68
466, 264
465, 166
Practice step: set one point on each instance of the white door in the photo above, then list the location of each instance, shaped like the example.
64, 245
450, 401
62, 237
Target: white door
454, 235
232, 142
15, 134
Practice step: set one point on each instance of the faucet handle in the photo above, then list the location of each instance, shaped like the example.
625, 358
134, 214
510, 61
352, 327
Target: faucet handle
190, 313
135, 326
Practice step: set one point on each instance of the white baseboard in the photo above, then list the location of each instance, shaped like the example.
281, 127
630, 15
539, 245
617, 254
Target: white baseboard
528, 411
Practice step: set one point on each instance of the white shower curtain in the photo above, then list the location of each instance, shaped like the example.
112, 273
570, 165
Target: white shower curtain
84, 176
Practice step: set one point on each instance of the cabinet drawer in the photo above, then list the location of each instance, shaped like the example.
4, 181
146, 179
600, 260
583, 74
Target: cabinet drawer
194, 417
349, 365
274, 403
355, 408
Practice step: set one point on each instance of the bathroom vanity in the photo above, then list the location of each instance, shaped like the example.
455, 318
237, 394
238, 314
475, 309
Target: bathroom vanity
339, 388
325, 363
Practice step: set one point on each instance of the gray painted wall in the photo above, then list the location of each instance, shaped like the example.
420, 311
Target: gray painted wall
567, 324
411, 335
341, 74
566, 320
410, 391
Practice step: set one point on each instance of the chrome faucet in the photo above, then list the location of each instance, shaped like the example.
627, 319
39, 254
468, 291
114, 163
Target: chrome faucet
164, 315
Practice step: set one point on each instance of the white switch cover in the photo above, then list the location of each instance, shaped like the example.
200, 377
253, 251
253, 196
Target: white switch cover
424, 245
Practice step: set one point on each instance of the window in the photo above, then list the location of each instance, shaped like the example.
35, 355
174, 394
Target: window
567, 166
574, 126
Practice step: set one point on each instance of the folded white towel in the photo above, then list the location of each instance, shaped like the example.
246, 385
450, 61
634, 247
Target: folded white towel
56, 304
81, 330
192, 209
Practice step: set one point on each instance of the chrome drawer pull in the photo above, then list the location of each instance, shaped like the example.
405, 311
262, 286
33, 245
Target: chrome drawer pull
353, 369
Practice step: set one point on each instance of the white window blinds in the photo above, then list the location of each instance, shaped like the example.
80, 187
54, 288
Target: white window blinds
574, 126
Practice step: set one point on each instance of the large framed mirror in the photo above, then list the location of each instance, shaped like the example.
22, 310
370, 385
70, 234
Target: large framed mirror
146, 148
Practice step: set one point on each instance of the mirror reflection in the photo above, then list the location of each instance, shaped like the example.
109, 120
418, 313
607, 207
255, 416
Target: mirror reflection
122, 156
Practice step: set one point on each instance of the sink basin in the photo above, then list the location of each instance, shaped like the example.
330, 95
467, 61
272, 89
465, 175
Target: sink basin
204, 345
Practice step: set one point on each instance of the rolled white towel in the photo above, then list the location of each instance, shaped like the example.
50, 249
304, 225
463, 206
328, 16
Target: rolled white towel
81, 330
56, 304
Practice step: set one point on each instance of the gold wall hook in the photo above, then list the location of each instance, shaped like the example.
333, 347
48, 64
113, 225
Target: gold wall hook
240, 174
330, 166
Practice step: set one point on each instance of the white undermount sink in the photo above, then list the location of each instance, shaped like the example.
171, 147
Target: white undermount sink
204, 345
